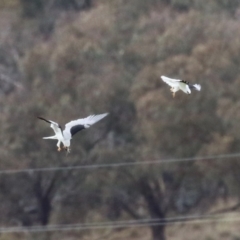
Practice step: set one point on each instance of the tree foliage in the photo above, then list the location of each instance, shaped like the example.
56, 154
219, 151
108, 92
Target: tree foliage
110, 59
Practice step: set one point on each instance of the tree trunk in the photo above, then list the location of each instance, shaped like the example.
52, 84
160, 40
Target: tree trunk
44, 197
158, 232
45, 210
155, 207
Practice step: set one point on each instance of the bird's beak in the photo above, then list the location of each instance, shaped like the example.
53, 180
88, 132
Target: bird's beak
67, 149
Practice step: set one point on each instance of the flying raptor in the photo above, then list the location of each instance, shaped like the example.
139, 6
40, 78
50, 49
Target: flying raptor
177, 84
71, 128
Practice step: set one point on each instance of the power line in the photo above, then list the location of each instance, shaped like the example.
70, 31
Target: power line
120, 164
126, 224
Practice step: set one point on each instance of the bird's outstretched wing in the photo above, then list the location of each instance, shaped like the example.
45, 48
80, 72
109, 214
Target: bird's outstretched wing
55, 126
170, 81
75, 126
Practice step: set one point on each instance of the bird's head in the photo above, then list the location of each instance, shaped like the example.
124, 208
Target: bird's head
67, 149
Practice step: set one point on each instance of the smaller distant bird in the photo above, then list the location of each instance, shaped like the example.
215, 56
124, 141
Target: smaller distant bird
177, 84
71, 128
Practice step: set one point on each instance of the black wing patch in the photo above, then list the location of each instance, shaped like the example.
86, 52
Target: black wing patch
76, 129
50, 122
186, 82
44, 119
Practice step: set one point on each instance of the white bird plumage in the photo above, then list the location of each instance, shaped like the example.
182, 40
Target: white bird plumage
71, 128
177, 84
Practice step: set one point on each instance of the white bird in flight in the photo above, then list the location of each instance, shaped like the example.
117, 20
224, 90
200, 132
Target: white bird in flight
177, 84
71, 128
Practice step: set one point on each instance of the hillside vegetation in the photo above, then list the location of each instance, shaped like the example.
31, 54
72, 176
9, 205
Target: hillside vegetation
64, 59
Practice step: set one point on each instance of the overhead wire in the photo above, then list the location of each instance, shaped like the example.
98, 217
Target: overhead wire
119, 224
119, 164
126, 224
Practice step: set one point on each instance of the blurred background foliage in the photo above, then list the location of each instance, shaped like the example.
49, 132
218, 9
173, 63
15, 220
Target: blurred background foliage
64, 59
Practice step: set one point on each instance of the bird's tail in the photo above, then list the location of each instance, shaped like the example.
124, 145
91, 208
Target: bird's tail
51, 137
197, 87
